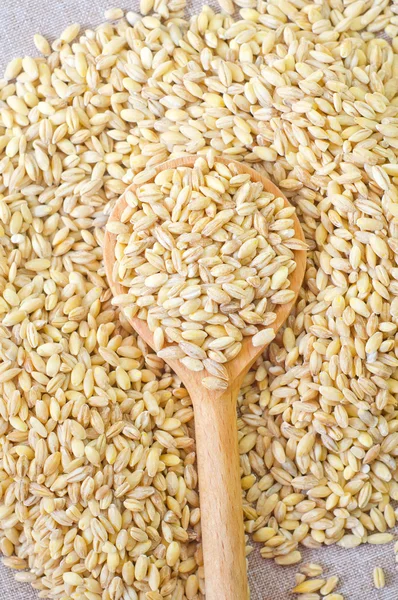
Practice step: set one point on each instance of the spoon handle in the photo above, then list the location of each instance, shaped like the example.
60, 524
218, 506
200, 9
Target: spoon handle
220, 495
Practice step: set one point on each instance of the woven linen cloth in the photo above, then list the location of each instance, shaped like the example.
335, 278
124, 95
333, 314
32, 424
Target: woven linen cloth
19, 21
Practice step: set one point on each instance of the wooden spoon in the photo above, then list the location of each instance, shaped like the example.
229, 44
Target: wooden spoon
215, 422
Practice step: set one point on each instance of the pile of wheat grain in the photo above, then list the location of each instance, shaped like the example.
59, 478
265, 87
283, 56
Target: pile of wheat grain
98, 485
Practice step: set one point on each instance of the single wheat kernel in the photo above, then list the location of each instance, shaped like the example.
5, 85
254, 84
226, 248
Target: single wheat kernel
113, 14
380, 538
329, 586
378, 578
42, 44
308, 586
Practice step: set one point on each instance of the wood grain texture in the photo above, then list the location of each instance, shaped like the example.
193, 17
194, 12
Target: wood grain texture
220, 494
215, 421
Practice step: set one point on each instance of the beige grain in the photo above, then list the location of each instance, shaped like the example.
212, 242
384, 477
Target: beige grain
378, 578
97, 446
196, 251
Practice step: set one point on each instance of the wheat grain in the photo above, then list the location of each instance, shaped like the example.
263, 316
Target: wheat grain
378, 578
308, 586
262, 89
311, 570
331, 583
233, 266
113, 14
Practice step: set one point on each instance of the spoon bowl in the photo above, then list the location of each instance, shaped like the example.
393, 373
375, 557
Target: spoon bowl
215, 417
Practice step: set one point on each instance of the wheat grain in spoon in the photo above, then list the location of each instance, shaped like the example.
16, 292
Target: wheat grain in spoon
215, 420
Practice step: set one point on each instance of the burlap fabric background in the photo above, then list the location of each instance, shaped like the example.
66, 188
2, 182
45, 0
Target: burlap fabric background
19, 20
